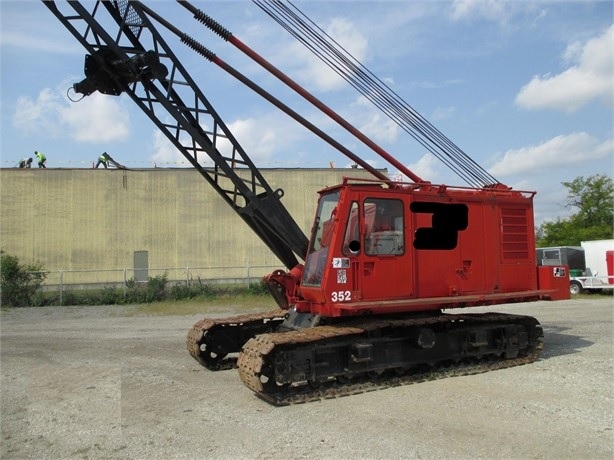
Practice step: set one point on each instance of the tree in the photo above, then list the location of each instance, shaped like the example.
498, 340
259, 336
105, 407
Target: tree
19, 283
593, 198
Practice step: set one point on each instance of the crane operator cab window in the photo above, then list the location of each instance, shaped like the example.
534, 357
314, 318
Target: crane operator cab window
384, 228
321, 235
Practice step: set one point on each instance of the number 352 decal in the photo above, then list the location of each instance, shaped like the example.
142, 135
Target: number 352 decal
341, 296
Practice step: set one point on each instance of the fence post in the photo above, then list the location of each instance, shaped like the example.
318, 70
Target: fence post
125, 282
61, 285
249, 279
187, 275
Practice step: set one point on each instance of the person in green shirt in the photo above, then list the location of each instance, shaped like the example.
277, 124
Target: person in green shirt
104, 160
42, 159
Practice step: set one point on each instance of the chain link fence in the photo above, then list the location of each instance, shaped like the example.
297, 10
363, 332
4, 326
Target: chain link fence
62, 281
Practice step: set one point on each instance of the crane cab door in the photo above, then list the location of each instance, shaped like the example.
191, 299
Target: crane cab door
375, 241
449, 243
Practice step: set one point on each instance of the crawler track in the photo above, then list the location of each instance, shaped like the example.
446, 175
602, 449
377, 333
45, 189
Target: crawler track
268, 360
210, 341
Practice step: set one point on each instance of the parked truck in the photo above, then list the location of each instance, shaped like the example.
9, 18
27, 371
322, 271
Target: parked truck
591, 265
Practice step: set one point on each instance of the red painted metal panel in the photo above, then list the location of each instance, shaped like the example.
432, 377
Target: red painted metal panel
609, 261
555, 280
446, 248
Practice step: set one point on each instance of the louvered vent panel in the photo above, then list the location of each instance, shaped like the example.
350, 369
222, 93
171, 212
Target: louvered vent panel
514, 234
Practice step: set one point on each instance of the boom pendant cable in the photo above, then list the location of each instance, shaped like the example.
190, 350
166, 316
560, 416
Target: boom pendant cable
371, 87
225, 34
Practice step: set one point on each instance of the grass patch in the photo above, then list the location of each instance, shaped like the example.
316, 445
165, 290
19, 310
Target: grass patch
588, 294
243, 303
157, 296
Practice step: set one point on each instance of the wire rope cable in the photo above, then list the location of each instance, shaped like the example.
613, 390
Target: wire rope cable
344, 64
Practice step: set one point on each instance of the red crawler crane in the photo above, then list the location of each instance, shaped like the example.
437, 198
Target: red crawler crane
384, 258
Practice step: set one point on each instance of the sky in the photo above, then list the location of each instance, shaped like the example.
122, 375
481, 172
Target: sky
525, 88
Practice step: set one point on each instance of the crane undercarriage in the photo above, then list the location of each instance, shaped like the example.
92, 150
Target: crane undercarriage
287, 364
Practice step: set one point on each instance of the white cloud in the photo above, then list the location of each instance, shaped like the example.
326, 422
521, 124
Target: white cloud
31, 116
549, 203
591, 77
442, 113
557, 152
257, 137
488, 9
165, 154
372, 122
426, 168
380, 128
96, 118
313, 70
261, 138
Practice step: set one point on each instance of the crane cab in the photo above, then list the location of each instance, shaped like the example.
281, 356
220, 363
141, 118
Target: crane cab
381, 249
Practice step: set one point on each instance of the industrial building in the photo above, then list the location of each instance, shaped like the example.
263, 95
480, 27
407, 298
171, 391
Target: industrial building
93, 226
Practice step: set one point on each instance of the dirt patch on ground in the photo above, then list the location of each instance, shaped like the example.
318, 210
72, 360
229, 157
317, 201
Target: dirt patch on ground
106, 382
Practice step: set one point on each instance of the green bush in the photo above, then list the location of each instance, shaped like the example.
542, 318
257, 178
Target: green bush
109, 296
20, 283
152, 291
181, 291
21, 287
257, 289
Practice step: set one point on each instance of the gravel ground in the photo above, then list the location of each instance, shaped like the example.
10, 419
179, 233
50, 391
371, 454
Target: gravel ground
104, 382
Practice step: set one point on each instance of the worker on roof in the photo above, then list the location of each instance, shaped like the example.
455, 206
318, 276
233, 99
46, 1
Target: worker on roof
104, 160
25, 163
42, 159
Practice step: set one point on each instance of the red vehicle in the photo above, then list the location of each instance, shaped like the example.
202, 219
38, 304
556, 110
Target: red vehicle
385, 258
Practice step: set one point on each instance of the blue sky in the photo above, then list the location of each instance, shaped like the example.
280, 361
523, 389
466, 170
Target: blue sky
525, 88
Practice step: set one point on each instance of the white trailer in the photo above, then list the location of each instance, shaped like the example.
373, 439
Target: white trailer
599, 272
591, 265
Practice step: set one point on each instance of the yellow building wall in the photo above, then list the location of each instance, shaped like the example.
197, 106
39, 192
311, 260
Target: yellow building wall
89, 222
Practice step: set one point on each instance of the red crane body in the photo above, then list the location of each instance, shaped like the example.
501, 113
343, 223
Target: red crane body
382, 250
388, 250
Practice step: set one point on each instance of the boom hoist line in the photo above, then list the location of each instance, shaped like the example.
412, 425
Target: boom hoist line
352, 71
226, 35
157, 82
212, 57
